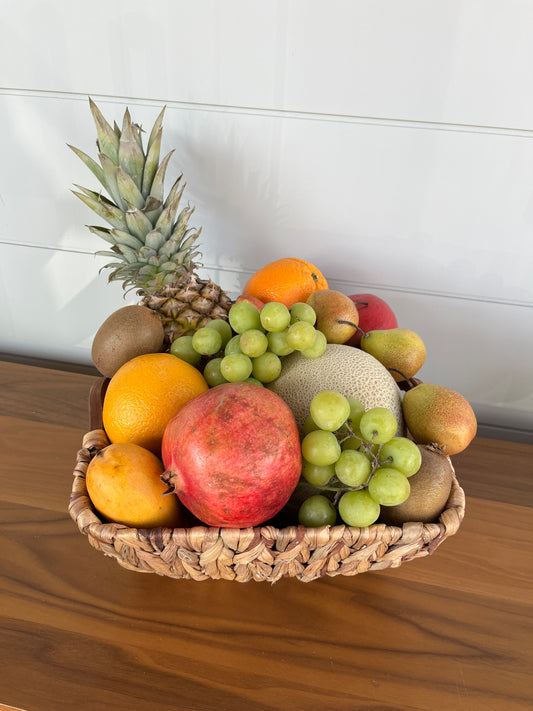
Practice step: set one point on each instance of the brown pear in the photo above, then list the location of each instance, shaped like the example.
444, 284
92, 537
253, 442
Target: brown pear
398, 349
430, 490
435, 414
336, 314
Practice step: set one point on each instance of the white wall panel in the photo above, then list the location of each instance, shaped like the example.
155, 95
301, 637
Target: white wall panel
418, 209
459, 61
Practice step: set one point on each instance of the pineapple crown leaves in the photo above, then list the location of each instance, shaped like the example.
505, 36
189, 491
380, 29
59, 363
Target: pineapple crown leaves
149, 235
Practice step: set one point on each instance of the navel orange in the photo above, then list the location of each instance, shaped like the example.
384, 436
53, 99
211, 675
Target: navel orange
124, 484
286, 280
144, 394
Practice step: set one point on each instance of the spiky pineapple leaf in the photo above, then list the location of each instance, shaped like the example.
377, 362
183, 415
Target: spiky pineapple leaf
176, 192
166, 219
126, 238
91, 164
103, 207
110, 173
137, 223
102, 232
157, 189
108, 141
151, 165
130, 154
156, 128
128, 190
129, 254
154, 240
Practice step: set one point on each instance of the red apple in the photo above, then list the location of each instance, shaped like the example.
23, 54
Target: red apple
232, 455
374, 314
251, 300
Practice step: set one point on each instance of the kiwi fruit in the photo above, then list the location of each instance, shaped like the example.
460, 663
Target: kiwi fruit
430, 490
128, 332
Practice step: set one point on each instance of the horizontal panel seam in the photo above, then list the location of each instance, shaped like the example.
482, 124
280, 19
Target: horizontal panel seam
351, 284
293, 114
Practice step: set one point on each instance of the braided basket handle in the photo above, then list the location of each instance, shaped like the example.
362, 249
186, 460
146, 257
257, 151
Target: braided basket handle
96, 402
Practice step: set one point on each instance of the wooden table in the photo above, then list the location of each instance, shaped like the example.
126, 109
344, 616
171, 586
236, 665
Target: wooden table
78, 632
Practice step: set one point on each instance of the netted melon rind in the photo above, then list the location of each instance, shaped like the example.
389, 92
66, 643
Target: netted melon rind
348, 370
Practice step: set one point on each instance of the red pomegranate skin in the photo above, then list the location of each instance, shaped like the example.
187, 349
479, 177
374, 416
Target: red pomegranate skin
232, 455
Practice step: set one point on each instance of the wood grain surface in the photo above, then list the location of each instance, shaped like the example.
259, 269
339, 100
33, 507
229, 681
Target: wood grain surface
78, 632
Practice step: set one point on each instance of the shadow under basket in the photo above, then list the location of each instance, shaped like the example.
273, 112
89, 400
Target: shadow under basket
263, 553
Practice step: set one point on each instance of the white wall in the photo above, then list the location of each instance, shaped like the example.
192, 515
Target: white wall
389, 143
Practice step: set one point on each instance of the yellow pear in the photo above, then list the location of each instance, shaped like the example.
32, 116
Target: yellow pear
336, 314
435, 414
398, 349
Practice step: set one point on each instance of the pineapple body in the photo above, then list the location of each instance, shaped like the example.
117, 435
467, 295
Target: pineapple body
186, 305
153, 247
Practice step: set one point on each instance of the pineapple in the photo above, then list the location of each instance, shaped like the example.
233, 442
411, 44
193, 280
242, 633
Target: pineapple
151, 242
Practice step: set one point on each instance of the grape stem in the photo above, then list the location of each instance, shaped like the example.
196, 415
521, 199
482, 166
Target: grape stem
338, 487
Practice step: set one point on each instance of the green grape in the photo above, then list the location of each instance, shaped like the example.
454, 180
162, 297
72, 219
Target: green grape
301, 335
403, 454
275, 316
310, 425
277, 342
317, 511
317, 475
352, 468
357, 410
236, 367
212, 372
320, 447
253, 343
254, 381
300, 311
182, 348
243, 316
318, 347
266, 367
207, 341
358, 508
329, 409
223, 328
233, 345
378, 425
389, 487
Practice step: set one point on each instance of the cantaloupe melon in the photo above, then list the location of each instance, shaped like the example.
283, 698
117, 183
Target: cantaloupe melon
348, 370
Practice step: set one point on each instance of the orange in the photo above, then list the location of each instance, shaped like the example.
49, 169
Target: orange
144, 394
287, 280
124, 483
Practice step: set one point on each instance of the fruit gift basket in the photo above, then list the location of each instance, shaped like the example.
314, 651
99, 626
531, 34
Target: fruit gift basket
294, 498
261, 553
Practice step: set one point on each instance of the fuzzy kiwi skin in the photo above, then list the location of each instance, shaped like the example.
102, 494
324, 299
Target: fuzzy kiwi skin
430, 490
128, 332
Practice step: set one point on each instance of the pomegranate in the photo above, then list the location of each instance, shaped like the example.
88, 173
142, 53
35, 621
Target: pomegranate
232, 455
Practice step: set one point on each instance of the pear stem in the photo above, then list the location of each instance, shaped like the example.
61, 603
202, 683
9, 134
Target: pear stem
409, 381
349, 323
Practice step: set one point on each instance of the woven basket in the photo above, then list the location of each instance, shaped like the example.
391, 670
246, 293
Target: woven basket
262, 553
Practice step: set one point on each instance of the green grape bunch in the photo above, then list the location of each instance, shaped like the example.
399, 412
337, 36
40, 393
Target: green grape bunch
250, 346
355, 461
